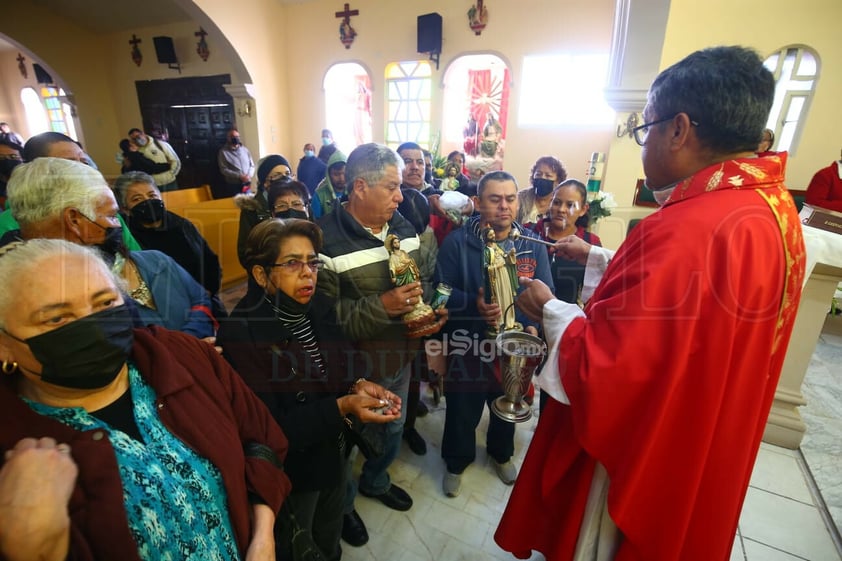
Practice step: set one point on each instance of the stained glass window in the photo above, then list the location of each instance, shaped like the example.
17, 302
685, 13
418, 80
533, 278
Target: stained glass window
409, 88
55, 111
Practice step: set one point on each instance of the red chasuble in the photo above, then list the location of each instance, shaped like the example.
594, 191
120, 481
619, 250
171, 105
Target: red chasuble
671, 374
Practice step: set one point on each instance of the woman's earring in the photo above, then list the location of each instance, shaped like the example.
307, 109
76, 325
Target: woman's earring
9, 367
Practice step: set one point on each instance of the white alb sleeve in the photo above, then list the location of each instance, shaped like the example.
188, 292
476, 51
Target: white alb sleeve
598, 260
557, 317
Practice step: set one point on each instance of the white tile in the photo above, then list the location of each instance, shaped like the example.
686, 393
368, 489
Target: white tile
759, 552
780, 474
458, 524
786, 525
737, 553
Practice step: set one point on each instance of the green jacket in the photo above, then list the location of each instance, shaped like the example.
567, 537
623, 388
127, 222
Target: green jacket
8, 223
325, 191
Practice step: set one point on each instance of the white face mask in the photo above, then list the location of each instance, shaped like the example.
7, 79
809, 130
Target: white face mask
662, 195
141, 141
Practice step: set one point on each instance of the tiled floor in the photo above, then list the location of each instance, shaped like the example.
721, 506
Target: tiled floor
782, 518
788, 515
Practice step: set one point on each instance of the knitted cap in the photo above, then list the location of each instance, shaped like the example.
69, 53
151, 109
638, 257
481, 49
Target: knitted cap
266, 166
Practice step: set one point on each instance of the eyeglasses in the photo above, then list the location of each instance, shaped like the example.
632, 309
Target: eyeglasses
640, 133
280, 176
294, 266
296, 205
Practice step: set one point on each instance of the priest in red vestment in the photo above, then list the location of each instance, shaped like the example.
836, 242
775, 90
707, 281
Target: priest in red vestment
662, 386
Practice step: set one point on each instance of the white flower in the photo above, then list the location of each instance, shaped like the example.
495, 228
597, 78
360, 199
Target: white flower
608, 201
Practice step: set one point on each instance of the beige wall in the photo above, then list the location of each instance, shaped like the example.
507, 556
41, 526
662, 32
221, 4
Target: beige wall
124, 72
387, 33
77, 61
11, 84
285, 50
768, 25
257, 36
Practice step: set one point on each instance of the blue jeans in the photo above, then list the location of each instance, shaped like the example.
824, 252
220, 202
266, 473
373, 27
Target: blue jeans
374, 479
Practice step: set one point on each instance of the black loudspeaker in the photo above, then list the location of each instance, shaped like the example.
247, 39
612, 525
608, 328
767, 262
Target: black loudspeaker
41, 75
165, 50
429, 33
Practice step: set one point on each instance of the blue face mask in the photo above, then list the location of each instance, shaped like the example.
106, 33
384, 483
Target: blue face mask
309, 153
326, 141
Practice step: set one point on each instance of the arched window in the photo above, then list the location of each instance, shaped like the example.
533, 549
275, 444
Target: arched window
36, 115
409, 87
476, 110
347, 87
796, 70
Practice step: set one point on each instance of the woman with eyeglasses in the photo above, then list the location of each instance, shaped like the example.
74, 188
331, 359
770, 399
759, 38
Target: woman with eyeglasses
284, 340
534, 203
254, 208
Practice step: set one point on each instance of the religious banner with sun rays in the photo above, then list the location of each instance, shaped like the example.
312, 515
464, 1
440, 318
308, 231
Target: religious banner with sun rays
489, 103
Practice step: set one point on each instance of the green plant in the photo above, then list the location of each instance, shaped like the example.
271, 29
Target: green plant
601, 204
439, 161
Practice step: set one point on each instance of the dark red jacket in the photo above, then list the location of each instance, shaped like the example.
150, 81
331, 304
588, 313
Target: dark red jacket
203, 402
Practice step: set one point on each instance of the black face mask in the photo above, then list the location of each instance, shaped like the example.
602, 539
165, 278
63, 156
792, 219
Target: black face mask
113, 243
87, 353
6, 167
148, 212
281, 301
292, 213
543, 187
235, 141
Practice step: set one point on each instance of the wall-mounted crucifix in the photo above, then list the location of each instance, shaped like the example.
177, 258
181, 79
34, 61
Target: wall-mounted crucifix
137, 56
202, 45
346, 32
22, 66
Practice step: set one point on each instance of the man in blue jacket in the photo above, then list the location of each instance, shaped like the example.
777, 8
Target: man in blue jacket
469, 350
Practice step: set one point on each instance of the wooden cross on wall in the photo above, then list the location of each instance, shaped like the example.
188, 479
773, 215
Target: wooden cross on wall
346, 32
202, 46
137, 56
22, 67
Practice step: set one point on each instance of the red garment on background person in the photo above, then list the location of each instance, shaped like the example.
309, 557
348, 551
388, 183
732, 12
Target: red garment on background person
670, 375
825, 189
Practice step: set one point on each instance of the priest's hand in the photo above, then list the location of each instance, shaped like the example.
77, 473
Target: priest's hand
573, 248
533, 297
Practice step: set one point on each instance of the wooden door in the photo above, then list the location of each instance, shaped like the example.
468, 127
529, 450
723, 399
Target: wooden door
193, 115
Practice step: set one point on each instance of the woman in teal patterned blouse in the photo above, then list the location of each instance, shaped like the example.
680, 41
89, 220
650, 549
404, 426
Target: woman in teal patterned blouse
170, 455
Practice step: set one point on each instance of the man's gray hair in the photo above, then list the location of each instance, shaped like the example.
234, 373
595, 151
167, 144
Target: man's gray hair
45, 187
369, 162
20, 260
122, 184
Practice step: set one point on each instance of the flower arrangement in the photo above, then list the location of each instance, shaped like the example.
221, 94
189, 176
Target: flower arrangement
439, 161
601, 204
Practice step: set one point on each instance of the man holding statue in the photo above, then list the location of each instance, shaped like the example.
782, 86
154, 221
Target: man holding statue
480, 261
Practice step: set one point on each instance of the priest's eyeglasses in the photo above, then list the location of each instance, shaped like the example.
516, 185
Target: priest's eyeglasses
294, 266
640, 133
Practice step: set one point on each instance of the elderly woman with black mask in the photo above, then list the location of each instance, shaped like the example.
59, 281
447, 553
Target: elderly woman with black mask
159, 448
154, 227
284, 340
57, 198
